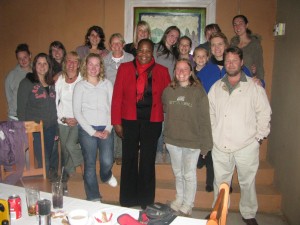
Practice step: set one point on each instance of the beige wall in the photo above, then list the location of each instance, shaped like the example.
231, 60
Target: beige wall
40, 23
284, 145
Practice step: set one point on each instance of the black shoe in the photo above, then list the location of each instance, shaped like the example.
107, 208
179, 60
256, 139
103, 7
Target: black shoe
209, 188
207, 217
251, 221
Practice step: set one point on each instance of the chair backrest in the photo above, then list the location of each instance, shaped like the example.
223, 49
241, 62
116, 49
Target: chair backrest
218, 216
31, 169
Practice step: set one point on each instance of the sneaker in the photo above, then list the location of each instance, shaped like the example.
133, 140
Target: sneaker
175, 205
251, 221
185, 211
112, 181
187, 214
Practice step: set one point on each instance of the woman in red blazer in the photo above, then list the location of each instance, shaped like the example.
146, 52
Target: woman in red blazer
137, 115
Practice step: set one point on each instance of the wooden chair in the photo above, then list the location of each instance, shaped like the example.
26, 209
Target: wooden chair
30, 168
218, 215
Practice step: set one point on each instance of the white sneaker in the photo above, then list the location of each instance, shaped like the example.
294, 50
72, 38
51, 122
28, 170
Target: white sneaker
176, 205
112, 181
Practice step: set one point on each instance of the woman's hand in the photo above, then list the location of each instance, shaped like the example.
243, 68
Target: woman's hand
71, 122
257, 81
119, 130
102, 134
253, 70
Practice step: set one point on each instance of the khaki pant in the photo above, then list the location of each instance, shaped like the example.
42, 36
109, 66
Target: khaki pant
246, 161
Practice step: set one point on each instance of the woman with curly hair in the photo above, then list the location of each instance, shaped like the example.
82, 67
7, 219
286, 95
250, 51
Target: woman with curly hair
92, 109
94, 43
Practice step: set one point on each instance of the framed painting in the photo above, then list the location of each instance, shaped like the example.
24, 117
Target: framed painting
190, 21
170, 12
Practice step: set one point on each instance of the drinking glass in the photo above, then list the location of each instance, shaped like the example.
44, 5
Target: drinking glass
57, 195
32, 196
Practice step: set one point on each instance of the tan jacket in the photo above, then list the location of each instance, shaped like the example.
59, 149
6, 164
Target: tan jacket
239, 118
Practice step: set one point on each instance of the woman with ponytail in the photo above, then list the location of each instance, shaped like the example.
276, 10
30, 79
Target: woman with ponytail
250, 44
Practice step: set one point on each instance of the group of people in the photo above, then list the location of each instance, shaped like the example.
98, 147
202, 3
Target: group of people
128, 103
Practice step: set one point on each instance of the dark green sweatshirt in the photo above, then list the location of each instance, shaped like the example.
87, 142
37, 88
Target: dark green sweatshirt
187, 120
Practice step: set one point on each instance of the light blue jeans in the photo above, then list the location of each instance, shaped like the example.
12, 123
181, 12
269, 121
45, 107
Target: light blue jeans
90, 146
184, 165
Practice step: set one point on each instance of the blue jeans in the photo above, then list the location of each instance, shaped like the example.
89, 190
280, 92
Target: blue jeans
90, 146
51, 154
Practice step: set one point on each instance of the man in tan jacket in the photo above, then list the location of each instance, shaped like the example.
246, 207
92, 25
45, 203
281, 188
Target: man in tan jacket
240, 116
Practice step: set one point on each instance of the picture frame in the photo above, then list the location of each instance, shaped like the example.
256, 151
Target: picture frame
190, 21
129, 23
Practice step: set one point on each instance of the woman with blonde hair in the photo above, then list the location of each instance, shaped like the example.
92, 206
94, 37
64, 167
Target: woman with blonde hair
92, 109
67, 124
112, 62
141, 31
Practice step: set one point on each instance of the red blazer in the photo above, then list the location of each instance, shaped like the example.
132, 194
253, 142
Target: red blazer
124, 94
